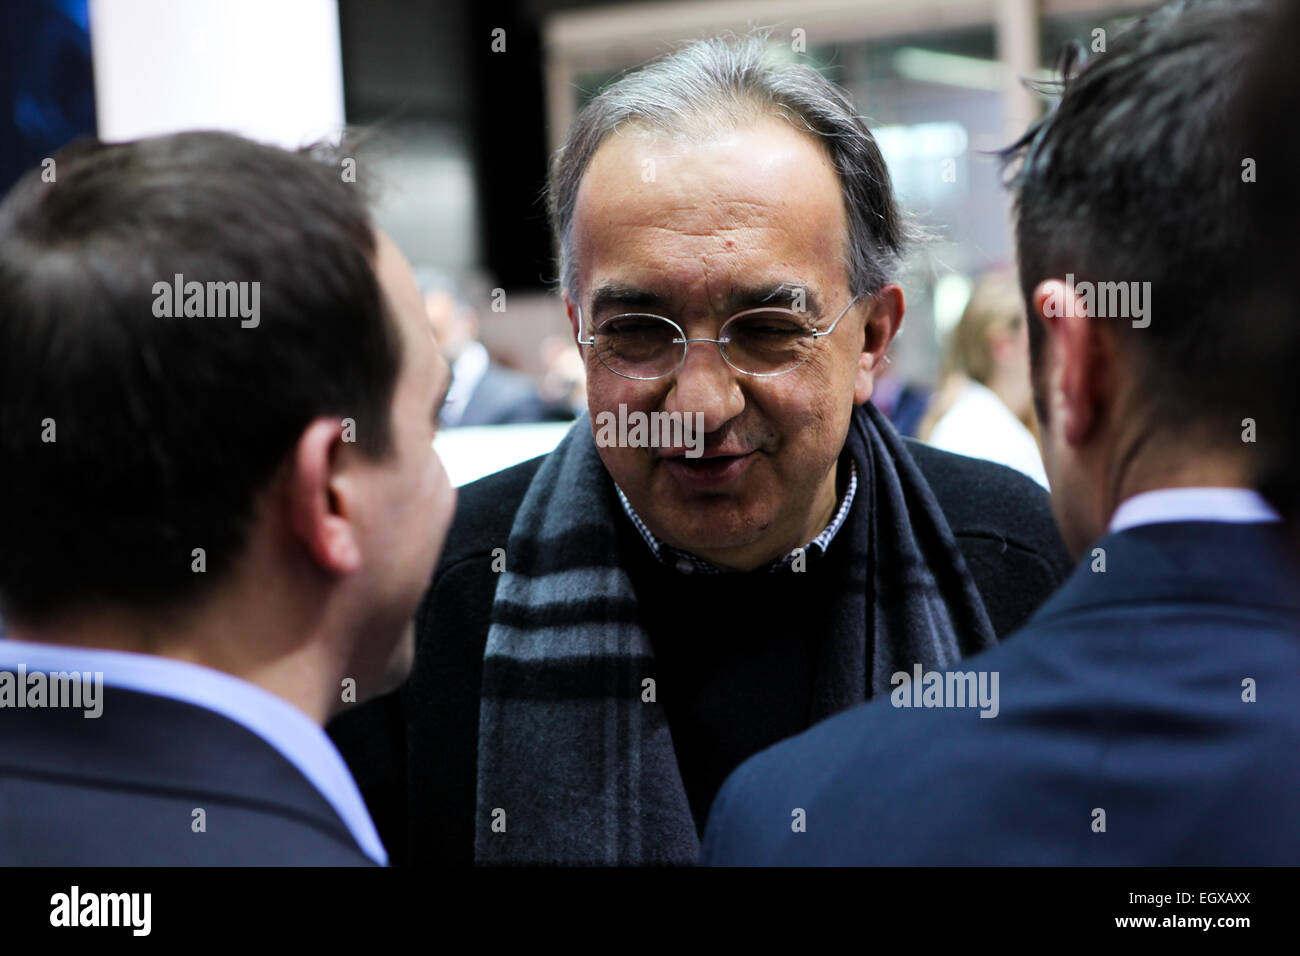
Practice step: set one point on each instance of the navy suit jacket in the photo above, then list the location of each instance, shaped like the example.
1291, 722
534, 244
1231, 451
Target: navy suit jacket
120, 790
1122, 694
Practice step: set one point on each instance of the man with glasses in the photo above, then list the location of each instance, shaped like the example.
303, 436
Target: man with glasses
764, 341
621, 623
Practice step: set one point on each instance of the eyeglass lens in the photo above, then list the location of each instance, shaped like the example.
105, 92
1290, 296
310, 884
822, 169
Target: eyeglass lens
649, 346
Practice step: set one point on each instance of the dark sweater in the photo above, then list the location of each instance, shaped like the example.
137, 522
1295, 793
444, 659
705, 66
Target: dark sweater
735, 656
414, 752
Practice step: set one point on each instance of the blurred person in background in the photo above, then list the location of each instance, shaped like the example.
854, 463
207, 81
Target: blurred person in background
985, 405
904, 403
1149, 713
564, 382
483, 391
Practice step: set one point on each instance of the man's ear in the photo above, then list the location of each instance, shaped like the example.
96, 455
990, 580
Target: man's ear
1074, 378
883, 319
571, 311
321, 498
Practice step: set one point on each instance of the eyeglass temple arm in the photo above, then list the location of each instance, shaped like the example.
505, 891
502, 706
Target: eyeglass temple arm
581, 340
818, 335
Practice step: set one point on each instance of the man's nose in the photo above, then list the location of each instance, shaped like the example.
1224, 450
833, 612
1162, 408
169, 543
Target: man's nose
705, 383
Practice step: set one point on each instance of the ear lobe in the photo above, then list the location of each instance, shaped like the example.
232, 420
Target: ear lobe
868, 369
320, 499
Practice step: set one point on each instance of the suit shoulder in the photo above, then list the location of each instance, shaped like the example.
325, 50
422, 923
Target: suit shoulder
984, 499
71, 822
730, 825
120, 790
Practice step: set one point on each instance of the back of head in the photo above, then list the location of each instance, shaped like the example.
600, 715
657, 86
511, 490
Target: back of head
1134, 185
173, 312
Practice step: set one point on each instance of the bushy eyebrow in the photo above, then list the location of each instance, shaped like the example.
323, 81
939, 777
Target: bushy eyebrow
786, 295
615, 294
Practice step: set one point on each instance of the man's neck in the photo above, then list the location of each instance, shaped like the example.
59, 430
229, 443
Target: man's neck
1190, 467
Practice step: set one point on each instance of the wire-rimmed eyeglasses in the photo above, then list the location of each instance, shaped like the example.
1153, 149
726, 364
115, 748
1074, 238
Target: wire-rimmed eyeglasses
765, 341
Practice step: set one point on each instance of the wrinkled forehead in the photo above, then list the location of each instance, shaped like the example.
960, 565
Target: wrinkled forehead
754, 204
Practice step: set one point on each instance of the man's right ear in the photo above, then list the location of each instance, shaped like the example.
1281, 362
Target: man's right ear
571, 311
322, 498
1073, 377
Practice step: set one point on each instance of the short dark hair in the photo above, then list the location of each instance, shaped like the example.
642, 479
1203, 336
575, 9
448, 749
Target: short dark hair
1136, 175
165, 430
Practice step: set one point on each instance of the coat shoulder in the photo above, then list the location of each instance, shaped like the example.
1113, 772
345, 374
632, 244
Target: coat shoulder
485, 510
984, 499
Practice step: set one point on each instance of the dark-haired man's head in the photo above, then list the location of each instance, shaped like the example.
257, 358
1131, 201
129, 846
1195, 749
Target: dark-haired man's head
218, 391
1131, 242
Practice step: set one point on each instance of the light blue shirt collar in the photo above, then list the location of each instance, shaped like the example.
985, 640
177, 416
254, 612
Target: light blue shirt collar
1235, 505
293, 734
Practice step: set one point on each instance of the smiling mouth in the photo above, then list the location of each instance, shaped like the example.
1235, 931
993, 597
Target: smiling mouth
710, 470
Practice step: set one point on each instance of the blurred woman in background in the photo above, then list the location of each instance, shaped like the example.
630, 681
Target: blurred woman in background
984, 407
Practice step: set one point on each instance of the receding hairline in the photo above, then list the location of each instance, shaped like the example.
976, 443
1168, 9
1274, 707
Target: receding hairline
730, 80
698, 132
736, 109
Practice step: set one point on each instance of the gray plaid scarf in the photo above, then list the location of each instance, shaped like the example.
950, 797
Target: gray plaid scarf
573, 766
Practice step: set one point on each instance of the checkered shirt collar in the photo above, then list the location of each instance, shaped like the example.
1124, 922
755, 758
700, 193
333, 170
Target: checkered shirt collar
687, 563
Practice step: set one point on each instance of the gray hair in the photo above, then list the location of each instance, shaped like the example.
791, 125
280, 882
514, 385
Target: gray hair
736, 80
